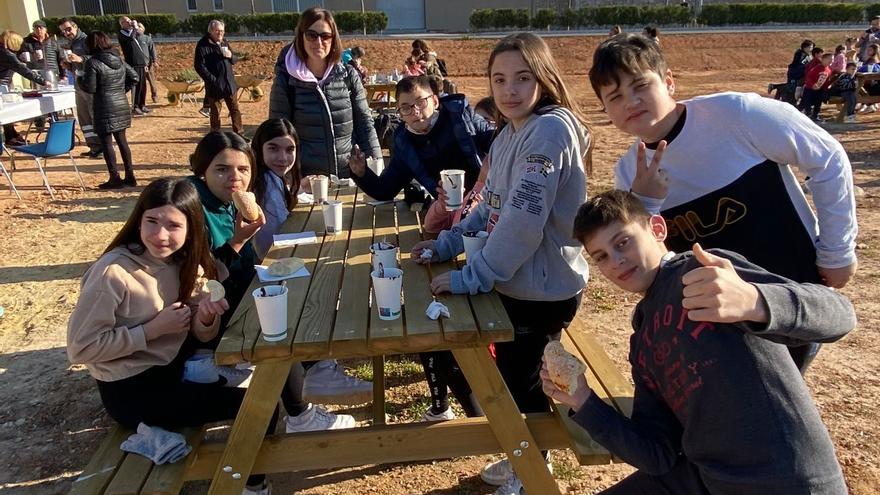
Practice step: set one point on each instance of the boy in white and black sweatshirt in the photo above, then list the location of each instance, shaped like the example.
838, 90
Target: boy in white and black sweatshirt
720, 175
718, 406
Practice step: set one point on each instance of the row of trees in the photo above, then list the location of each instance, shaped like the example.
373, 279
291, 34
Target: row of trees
197, 24
712, 15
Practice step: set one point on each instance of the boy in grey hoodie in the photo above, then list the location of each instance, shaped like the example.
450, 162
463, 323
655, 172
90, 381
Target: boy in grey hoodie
717, 407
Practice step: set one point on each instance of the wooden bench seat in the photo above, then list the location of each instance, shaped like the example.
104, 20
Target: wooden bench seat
606, 381
112, 471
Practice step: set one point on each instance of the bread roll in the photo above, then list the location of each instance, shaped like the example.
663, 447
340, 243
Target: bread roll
285, 267
216, 290
246, 203
563, 367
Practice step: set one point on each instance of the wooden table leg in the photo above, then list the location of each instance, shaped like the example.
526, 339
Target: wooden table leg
505, 420
249, 428
378, 390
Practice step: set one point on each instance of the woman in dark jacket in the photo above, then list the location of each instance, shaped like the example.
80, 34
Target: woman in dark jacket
107, 77
325, 100
10, 42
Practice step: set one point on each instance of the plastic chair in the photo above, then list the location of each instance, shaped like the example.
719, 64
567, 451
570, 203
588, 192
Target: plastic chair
59, 141
6, 172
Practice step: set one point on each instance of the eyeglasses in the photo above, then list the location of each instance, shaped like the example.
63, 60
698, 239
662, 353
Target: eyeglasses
68, 29
420, 104
314, 35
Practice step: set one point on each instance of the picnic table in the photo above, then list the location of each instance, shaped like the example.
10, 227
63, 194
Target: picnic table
46, 103
381, 95
330, 316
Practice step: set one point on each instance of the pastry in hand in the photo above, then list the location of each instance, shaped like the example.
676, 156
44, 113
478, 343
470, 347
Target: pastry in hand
563, 367
285, 267
215, 289
246, 203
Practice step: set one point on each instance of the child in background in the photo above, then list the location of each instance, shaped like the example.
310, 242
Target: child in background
486, 108
141, 312
275, 185
871, 66
727, 182
845, 87
838, 64
851, 52
536, 182
356, 60
651, 33
816, 78
412, 67
718, 406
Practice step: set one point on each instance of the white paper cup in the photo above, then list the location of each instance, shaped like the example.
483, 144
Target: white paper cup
386, 291
473, 242
332, 217
38, 54
384, 254
25, 57
319, 188
377, 165
452, 182
226, 51
67, 54
272, 311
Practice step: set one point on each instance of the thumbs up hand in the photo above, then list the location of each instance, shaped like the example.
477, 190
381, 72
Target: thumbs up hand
714, 292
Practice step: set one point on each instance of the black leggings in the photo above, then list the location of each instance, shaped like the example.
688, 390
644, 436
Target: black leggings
110, 154
159, 397
535, 323
442, 373
682, 479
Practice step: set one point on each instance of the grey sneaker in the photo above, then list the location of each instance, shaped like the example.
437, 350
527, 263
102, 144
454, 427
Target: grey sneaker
205, 112
513, 487
500, 473
327, 383
316, 418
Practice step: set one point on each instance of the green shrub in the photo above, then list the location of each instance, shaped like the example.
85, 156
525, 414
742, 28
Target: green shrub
279, 22
186, 75
872, 10
568, 18
198, 23
350, 21
158, 23
544, 18
482, 19
800, 13
511, 18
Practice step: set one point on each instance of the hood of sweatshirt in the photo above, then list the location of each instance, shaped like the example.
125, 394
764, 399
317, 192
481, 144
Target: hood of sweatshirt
298, 69
569, 118
108, 58
150, 264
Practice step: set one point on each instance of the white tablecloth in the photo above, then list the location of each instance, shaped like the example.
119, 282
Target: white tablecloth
34, 107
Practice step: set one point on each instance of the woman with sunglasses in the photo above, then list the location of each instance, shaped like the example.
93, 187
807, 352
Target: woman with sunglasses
440, 132
324, 99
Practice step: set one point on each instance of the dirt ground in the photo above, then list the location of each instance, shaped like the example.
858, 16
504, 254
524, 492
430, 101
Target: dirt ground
51, 418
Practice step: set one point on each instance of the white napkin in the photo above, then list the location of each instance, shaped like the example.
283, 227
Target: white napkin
305, 198
341, 182
292, 239
263, 274
427, 254
436, 309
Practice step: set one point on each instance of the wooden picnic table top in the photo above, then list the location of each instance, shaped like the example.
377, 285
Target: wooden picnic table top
330, 313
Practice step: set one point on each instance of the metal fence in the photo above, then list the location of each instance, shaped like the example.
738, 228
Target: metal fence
101, 7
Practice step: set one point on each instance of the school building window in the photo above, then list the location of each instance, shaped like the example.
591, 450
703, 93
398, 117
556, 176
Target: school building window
218, 5
191, 6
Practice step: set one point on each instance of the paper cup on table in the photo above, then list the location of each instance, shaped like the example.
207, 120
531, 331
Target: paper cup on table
386, 292
332, 217
452, 182
384, 255
271, 302
319, 188
473, 242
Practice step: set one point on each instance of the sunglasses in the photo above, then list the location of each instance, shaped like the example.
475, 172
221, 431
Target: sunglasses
314, 35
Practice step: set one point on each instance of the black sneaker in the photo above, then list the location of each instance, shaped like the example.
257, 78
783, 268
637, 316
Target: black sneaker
130, 181
93, 153
205, 112
113, 183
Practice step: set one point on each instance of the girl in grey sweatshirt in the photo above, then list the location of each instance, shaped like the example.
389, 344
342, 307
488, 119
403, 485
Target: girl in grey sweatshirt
535, 185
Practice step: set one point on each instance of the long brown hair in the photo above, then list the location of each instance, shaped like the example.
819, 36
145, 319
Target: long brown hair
539, 58
308, 18
212, 145
181, 194
268, 131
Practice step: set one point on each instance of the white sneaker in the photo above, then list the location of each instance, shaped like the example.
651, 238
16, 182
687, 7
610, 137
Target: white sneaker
444, 416
850, 119
327, 383
513, 486
872, 108
499, 473
234, 375
266, 489
316, 418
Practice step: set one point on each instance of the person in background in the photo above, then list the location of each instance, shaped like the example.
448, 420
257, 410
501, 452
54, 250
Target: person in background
10, 43
213, 61
108, 78
412, 67
845, 87
75, 61
486, 108
871, 66
152, 62
614, 31
852, 54
323, 99
357, 61
43, 51
838, 63
137, 56
652, 32
869, 37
